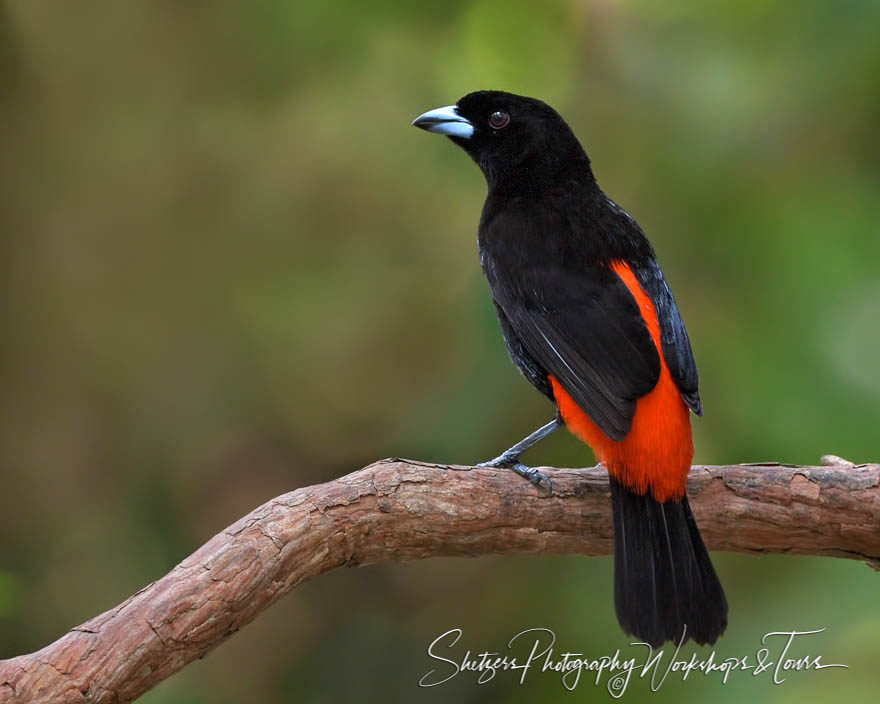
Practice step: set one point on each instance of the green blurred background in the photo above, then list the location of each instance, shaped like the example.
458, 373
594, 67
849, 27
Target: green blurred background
232, 268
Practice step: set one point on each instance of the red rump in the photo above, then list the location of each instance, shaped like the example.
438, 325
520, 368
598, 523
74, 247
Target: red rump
656, 453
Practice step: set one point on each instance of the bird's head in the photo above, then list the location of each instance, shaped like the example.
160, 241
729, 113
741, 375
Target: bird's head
512, 138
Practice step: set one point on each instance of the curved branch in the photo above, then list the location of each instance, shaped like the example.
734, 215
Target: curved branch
404, 510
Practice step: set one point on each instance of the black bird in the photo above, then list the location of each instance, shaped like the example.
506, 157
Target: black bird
589, 320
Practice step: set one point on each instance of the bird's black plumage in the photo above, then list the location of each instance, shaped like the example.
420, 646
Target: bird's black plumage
550, 244
576, 320
546, 238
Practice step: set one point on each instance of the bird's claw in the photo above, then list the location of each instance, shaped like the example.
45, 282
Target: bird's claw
539, 479
510, 461
503, 461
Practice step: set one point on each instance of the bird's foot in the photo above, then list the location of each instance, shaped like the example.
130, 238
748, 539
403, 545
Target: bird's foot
505, 459
539, 479
510, 461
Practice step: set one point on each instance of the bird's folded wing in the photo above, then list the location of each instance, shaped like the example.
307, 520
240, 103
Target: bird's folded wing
587, 332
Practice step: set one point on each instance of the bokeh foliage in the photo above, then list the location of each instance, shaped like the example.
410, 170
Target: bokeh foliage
232, 268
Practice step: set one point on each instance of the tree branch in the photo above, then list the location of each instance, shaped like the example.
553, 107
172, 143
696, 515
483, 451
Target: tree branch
404, 510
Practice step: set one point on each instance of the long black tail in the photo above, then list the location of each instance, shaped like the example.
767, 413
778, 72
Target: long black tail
663, 578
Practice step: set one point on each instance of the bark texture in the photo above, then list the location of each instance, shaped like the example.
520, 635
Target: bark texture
405, 510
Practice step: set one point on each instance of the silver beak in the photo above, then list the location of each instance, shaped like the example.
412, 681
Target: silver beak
445, 120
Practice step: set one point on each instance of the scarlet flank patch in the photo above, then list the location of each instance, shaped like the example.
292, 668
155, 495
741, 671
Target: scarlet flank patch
656, 453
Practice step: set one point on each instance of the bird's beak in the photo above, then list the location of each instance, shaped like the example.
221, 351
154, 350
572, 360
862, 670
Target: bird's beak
445, 121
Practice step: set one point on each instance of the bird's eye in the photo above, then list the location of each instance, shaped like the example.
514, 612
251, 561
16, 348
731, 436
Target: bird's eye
498, 119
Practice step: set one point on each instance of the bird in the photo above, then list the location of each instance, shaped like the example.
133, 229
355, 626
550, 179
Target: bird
589, 320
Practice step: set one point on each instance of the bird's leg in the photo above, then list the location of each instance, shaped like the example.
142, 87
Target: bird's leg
510, 457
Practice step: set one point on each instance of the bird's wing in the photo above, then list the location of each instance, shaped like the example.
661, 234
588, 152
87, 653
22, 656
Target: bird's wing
676, 346
585, 329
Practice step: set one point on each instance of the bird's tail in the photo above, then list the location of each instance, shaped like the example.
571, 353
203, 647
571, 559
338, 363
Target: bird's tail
664, 581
